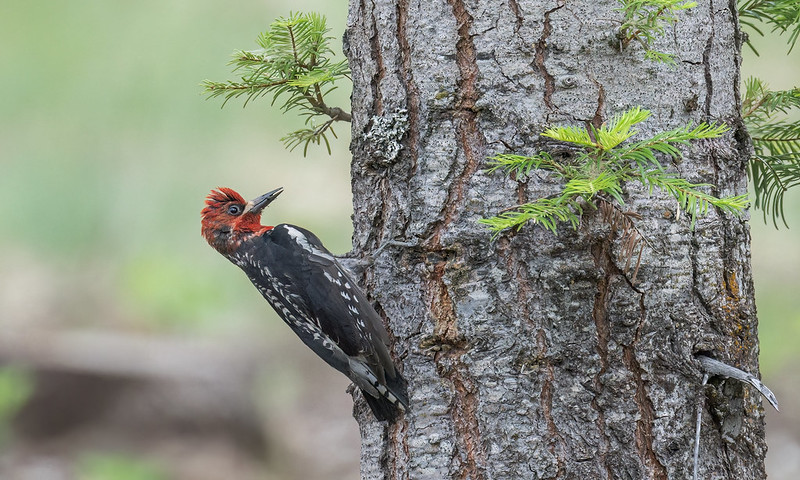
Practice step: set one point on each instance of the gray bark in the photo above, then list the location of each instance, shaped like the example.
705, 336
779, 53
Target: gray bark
535, 355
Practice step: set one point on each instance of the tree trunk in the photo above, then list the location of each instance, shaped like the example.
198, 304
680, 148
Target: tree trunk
533, 355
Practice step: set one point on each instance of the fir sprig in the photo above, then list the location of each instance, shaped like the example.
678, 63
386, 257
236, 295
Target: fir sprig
520, 166
690, 196
603, 163
775, 165
645, 20
782, 15
294, 65
547, 212
643, 153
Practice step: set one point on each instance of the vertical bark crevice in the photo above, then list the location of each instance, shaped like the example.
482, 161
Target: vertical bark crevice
643, 435
398, 451
470, 139
696, 278
379, 222
516, 269
449, 365
647, 411
377, 55
464, 406
546, 399
464, 411
540, 57
602, 461
707, 70
445, 328
597, 119
407, 76
514, 6
601, 254
644, 425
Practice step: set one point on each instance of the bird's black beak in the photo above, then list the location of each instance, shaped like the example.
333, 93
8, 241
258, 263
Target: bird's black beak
259, 203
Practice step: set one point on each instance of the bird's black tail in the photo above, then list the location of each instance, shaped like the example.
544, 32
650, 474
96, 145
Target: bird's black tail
393, 399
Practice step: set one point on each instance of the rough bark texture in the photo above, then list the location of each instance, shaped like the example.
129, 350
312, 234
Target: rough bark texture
534, 355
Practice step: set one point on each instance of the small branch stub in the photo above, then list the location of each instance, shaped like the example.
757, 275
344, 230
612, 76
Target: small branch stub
715, 367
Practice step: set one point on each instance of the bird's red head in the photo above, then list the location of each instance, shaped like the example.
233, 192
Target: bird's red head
228, 218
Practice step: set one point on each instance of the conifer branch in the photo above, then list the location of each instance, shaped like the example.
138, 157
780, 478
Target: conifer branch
294, 65
546, 212
602, 164
775, 165
782, 15
645, 20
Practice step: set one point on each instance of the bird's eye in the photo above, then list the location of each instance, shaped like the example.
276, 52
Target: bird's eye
235, 209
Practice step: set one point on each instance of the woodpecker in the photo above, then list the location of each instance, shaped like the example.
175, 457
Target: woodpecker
311, 292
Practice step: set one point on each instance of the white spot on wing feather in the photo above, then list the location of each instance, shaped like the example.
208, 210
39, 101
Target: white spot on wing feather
301, 240
331, 279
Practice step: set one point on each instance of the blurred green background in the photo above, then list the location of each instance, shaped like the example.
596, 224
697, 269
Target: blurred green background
107, 149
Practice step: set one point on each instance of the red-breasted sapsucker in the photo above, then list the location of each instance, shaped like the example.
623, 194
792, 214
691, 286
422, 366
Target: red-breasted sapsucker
311, 292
